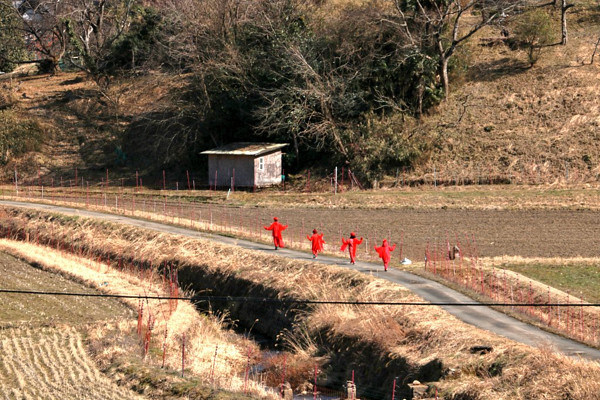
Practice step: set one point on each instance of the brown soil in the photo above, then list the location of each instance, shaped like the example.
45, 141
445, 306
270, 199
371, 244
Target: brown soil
536, 232
527, 233
41, 309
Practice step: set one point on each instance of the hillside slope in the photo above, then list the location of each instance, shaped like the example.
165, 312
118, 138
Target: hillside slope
523, 124
502, 119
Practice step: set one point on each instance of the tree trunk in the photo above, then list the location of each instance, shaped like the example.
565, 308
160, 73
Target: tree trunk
563, 19
595, 50
296, 150
444, 75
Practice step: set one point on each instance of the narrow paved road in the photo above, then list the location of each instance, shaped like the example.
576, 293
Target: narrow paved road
479, 316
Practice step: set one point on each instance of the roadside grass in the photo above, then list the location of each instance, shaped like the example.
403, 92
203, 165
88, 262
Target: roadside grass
578, 276
580, 279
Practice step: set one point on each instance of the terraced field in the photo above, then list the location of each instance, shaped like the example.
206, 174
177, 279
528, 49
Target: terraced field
42, 350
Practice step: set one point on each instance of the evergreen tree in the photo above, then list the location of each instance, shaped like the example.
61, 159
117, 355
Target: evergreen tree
12, 43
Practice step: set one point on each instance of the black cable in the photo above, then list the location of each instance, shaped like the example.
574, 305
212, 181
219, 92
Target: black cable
291, 301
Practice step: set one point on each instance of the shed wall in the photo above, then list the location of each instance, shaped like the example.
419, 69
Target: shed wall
271, 174
224, 166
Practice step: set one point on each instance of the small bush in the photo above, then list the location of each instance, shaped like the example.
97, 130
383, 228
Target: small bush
18, 136
7, 98
535, 30
381, 144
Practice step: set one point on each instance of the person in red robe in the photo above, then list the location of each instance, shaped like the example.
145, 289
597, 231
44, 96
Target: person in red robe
385, 252
276, 229
351, 244
317, 242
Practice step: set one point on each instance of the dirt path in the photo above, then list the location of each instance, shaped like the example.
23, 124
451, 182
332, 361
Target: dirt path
479, 316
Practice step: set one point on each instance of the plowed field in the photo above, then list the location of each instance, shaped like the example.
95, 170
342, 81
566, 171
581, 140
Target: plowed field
51, 363
527, 233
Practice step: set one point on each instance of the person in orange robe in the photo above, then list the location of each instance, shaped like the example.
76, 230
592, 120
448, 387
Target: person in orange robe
276, 229
351, 244
317, 242
385, 252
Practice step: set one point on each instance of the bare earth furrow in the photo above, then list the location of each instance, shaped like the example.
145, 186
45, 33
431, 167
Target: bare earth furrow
17, 364
64, 352
4, 388
29, 367
82, 364
47, 355
93, 372
58, 360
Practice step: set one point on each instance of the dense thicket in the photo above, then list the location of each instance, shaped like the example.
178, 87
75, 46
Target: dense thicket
338, 85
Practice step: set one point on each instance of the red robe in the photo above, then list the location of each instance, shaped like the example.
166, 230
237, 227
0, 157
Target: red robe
317, 242
277, 228
385, 253
351, 243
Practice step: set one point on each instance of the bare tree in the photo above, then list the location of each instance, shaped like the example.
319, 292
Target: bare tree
447, 25
45, 30
99, 23
307, 101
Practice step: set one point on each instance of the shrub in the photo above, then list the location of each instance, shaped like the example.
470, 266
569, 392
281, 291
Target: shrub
12, 44
17, 136
535, 30
382, 144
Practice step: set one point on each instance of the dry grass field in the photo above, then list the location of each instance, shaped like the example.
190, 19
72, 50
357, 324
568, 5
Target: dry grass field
52, 363
42, 339
113, 347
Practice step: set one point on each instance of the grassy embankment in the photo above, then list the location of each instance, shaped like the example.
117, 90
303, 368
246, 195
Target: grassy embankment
579, 277
379, 343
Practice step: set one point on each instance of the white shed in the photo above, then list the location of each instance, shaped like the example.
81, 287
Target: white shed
245, 164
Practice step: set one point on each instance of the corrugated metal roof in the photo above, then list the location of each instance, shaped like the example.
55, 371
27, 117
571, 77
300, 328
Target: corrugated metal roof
246, 149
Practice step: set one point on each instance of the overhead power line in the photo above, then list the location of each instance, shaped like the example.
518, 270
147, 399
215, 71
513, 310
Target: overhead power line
241, 299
